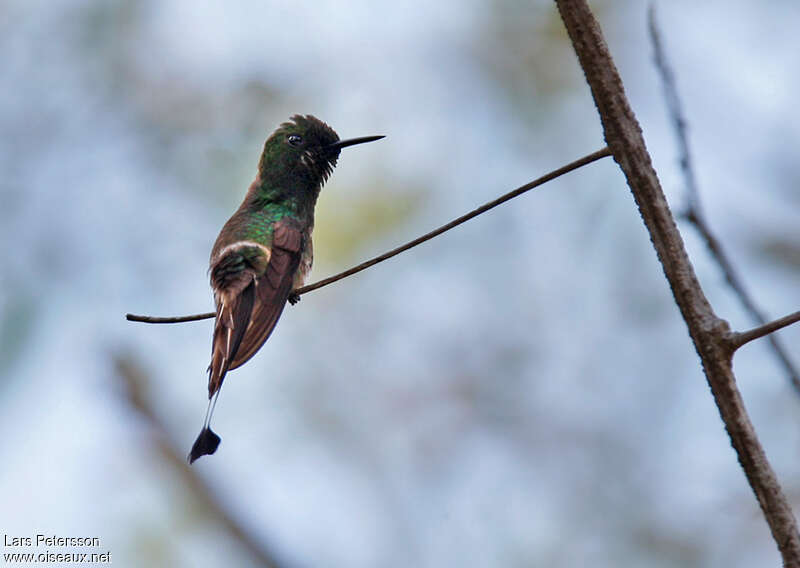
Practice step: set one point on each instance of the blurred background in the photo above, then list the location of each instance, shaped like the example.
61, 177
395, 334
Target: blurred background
519, 392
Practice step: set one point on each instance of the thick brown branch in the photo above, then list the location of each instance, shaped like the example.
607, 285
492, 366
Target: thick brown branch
694, 212
624, 136
411, 244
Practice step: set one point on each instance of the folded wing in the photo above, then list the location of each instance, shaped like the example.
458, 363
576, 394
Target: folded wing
251, 284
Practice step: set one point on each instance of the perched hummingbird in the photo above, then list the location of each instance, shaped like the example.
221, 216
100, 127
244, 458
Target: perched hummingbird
264, 250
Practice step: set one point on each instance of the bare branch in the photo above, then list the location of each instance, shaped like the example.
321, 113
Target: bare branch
134, 382
409, 245
694, 212
675, 109
463, 219
708, 332
175, 319
739, 339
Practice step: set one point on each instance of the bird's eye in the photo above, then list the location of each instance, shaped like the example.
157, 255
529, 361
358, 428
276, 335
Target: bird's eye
294, 140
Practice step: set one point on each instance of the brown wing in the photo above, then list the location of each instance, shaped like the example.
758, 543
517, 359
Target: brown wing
271, 289
233, 277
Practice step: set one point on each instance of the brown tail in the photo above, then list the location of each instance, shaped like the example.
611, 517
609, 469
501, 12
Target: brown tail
233, 317
232, 321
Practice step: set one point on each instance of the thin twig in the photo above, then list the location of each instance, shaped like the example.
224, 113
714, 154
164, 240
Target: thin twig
175, 319
411, 244
134, 381
740, 338
463, 219
675, 109
694, 212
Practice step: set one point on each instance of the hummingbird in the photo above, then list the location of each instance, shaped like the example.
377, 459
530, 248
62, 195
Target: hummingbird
264, 250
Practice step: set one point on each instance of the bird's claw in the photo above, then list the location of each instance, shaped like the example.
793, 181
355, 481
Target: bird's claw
294, 298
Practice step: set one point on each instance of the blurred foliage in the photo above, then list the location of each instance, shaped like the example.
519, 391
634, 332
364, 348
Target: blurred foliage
345, 222
525, 50
780, 249
526, 53
18, 316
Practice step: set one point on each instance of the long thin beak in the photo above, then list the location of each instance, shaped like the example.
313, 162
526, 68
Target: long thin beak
352, 142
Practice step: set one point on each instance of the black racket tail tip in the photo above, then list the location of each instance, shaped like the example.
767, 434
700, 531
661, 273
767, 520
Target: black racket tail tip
206, 444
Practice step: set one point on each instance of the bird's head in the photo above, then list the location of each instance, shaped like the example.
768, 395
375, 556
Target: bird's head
305, 148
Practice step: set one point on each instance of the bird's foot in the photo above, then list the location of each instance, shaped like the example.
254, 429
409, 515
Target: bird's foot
294, 298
